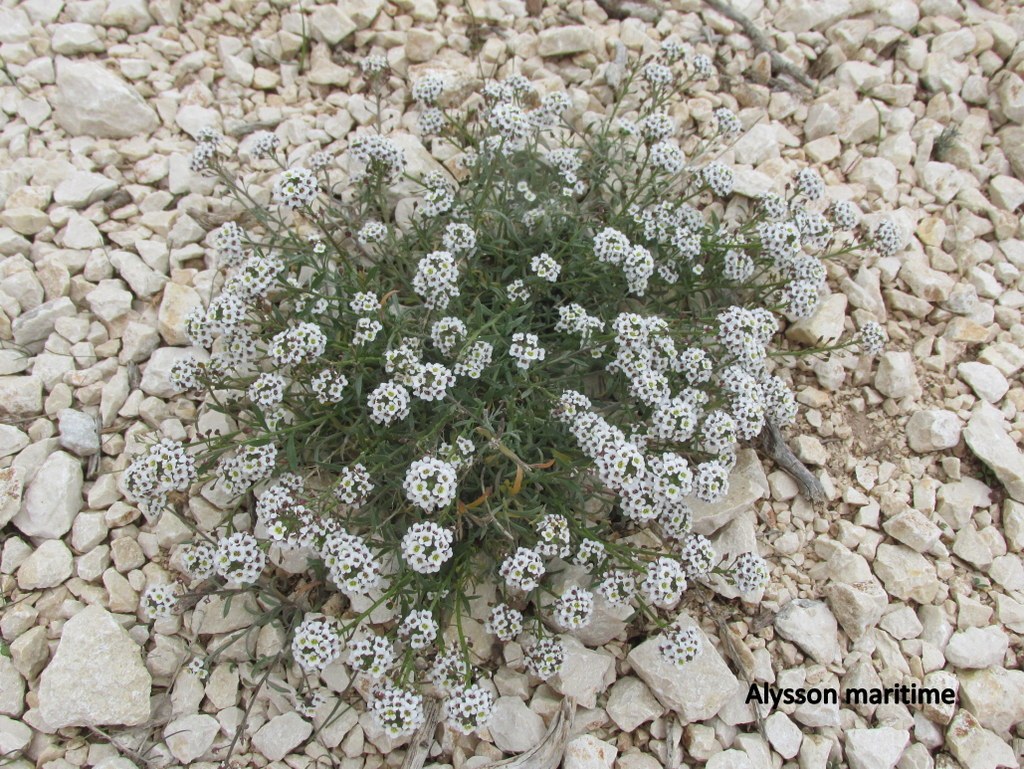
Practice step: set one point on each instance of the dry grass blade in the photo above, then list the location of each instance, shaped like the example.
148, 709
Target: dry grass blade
419, 748
547, 754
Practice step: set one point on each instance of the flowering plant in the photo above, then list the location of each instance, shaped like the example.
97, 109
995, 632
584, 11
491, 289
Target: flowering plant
536, 354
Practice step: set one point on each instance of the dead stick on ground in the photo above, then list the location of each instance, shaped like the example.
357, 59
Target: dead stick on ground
775, 446
761, 43
547, 754
420, 746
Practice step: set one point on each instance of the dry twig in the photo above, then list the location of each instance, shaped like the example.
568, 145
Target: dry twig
761, 43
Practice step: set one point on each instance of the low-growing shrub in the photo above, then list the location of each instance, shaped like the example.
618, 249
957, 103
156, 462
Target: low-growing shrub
542, 361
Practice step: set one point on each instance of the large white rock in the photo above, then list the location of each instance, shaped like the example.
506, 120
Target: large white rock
48, 566
906, 574
875, 748
630, 703
811, 626
933, 430
977, 647
986, 435
995, 696
805, 15
563, 41
156, 378
587, 752
93, 101
975, 747
824, 327
177, 302
696, 690
12, 483
857, 606
83, 188
514, 727
53, 498
987, 381
585, 674
190, 737
281, 734
747, 484
97, 677
79, 432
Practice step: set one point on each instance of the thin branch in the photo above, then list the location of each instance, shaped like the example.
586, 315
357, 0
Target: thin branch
775, 446
761, 43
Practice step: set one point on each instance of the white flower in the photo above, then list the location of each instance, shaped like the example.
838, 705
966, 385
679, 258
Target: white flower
239, 558
164, 468
398, 712
522, 570
545, 268
871, 338
159, 601
373, 656
295, 188
303, 343
526, 350
316, 643
430, 484
419, 628
469, 709
426, 547
545, 658
574, 608
750, 572
505, 622
680, 646
388, 403
664, 582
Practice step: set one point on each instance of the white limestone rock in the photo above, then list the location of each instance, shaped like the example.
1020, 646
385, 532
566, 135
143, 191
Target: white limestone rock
879, 748
48, 566
93, 101
12, 483
98, 661
977, 647
565, 40
53, 498
975, 747
987, 381
585, 674
587, 752
281, 735
895, 377
906, 574
696, 690
986, 435
189, 737
995, 696
79, 432
630, 703
933, 430
177, 302
812, 627
513, 726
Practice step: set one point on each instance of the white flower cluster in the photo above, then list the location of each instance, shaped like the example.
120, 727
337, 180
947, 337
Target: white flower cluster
239, 558
526, 350
418, 628
399, 712
316, 643
373, 656
436, 279
505, 622
545, 658
159, 601
574, 608
164, 468
381, 156
430, 484
352, 566
426, 547
522, 570
680, 646
469, 708
295, 188
750, 572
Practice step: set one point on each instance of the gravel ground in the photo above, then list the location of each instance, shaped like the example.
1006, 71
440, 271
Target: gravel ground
914, 572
